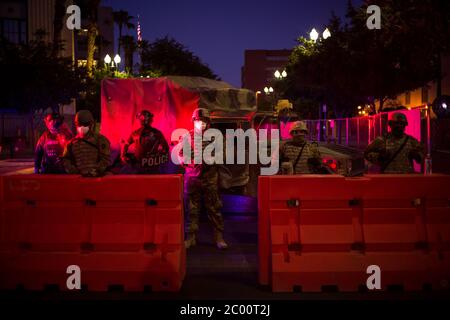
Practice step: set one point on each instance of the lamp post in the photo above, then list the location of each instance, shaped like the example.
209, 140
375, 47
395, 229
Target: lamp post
112, 65
268, 90
117, 60
314, 35
256, 97
270, 97
107, 59
280, 75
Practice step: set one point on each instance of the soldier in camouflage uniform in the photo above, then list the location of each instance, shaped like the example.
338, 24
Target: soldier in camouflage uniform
395, 151
51, 144
88, 153
151, 148
302, 156
202, 180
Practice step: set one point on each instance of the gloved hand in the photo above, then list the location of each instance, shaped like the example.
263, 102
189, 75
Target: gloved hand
124, 158
415, 155
383, 155
92, 173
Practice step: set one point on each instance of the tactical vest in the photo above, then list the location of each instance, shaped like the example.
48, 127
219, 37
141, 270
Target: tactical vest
291, 152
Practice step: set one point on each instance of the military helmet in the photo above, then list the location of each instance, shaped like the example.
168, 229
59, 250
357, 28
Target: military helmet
399, 118
144, 113
84, 118
54, 116
201, 114
298, 126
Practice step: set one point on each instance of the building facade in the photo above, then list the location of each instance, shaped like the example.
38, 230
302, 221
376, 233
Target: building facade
22, 21
260, 65
423, 95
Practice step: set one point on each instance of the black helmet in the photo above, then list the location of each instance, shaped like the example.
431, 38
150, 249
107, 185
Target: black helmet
398, 118
54, 116
201, 114
144, 113
84, 118
145, 117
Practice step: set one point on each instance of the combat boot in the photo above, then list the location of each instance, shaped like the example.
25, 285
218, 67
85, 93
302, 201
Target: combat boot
220, 242
190, 241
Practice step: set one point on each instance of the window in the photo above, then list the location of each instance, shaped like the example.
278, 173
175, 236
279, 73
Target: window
23, 31
14, 30
277, 58
408, 97
424, 94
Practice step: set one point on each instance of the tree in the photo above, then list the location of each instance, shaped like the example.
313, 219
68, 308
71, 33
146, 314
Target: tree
36, 78
91, 9
166, 56
357, 65
322, 72
129, 47
122, 19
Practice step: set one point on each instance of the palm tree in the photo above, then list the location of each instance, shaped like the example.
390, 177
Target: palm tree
122, 19
101, 43
92, 15
129, 47
143, 46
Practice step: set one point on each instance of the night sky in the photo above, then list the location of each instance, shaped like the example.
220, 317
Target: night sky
220, 31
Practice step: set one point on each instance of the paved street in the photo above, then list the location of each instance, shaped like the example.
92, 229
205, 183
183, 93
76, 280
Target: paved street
16, 166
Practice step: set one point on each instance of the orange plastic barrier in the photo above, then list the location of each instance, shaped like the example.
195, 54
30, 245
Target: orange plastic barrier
319, 231
42, 213
120, 230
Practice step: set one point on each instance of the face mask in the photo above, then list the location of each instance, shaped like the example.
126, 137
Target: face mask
82, 131
199, 125
299, 137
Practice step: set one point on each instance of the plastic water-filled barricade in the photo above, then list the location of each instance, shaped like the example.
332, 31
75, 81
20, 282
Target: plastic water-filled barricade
119, 230
321, 232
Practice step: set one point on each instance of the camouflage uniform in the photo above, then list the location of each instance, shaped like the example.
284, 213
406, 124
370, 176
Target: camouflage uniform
382, 150
310, 158
49, 151
87, 155
201, 180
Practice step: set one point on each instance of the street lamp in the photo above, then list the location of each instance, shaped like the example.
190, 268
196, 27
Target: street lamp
256, 96
281, 75
268, 90
326, 34
117, 59
314, 35
107, 59
111, 64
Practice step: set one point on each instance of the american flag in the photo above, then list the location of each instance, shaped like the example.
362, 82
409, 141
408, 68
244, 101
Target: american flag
139, 34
